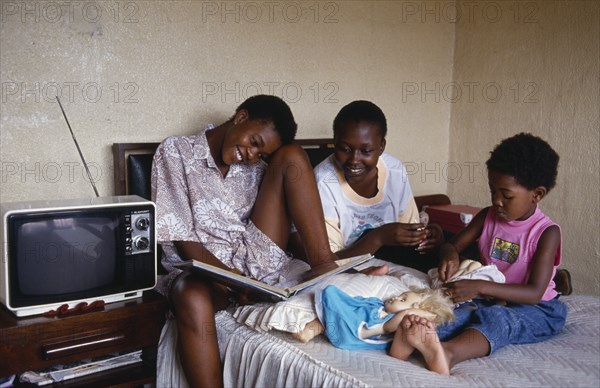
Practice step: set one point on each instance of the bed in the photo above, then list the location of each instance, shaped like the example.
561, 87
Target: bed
259, 358
254, 357
275, 359
264, 359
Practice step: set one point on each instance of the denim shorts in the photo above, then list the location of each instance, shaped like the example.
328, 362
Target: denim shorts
507, 324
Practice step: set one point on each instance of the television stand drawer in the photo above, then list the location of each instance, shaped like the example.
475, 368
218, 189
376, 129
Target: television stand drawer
64, 348
38, 342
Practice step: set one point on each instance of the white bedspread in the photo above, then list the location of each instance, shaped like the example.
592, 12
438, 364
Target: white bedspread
275, 359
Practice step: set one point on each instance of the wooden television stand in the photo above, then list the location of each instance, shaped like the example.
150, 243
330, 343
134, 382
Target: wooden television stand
37, 342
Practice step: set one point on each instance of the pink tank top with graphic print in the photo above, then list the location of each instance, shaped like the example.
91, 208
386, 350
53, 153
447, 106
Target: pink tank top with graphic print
511, 245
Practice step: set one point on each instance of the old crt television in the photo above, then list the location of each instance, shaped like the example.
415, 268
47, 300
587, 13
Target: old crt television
72, 251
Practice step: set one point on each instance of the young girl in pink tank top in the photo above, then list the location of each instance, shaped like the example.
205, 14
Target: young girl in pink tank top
522, 242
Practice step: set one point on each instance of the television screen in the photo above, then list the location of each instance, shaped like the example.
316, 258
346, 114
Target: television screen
66, 254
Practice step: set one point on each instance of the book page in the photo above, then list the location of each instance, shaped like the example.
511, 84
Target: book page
232, 280
249, 285
348, 264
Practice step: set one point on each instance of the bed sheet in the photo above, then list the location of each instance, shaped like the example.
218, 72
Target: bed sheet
275, 359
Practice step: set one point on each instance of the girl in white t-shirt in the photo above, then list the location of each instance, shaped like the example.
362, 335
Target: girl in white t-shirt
367, 200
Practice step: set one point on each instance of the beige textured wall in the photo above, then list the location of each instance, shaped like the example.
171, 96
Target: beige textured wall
142, 70
545, 63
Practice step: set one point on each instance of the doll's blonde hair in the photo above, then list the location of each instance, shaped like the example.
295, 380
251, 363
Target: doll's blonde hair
436, 302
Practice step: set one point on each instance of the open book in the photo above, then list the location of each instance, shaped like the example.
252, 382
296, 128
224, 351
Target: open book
243, 283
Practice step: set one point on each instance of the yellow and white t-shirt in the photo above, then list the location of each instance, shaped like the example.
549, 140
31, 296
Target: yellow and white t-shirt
348, 215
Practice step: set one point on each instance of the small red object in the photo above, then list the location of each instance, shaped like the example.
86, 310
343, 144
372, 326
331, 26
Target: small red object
449, 216
81, 308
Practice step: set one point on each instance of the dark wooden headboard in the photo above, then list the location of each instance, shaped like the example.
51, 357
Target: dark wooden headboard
126, 154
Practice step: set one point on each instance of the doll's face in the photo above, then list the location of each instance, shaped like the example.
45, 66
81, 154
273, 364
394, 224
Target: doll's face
403, 301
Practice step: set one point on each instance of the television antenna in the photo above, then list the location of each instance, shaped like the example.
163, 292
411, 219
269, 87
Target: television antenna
87, 170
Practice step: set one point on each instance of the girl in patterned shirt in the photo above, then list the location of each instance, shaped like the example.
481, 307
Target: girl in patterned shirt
228, 196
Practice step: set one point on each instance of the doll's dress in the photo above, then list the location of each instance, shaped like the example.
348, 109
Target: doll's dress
345, 315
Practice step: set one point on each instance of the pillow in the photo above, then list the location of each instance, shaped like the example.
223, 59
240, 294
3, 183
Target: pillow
296, 313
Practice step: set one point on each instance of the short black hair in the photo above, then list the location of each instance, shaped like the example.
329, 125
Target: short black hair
527, 158
358, 111
271, 108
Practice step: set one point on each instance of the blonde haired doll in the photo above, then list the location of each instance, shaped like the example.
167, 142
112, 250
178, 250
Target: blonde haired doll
425, 302
363, 323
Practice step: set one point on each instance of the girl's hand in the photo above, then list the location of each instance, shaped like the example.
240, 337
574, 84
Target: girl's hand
434, 238
397, 233
464, 290
449, 262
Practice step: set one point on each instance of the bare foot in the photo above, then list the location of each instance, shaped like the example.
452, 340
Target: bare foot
376, 271
401, 349
423, 337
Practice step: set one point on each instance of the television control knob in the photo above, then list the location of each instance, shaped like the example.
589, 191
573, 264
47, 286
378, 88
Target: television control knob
141, 243
142, 223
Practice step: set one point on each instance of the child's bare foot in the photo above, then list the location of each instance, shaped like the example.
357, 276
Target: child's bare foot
412, 319
401, 349
423, 337
376, 271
